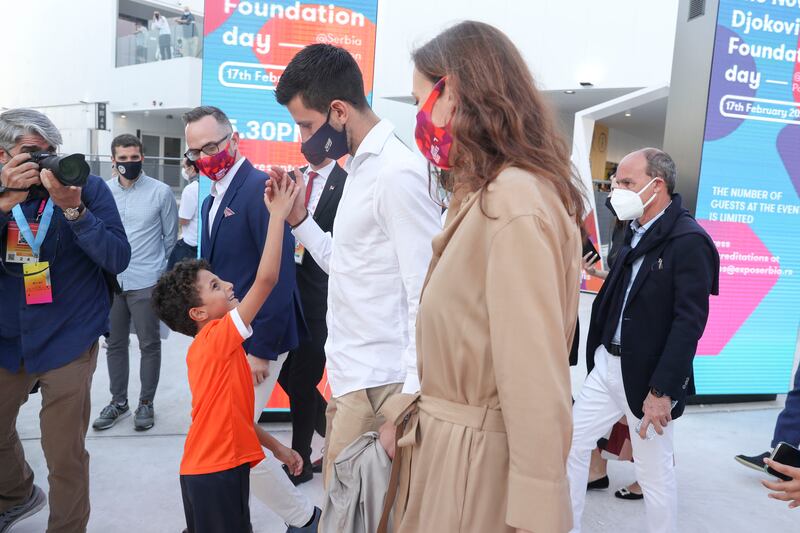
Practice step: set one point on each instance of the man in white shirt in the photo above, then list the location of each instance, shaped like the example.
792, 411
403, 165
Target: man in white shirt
186, 247
379, 254
164, 35
304, 368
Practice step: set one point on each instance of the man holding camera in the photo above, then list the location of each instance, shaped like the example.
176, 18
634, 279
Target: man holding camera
56, 242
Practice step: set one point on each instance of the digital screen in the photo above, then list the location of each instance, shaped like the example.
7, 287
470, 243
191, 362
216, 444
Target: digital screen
247, 45
748, 198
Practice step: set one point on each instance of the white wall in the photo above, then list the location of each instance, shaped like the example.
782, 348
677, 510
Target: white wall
171, 84
64, 52
621, 143
58, 54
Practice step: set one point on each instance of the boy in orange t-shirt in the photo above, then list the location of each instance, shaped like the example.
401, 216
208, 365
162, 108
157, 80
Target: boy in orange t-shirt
223, 442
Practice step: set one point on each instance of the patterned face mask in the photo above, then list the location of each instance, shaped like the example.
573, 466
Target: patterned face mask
434, 142
216, 166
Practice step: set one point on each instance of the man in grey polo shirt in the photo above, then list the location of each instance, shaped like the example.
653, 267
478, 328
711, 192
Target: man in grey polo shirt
150, 217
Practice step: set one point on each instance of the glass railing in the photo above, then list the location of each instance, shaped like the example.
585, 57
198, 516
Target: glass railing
146, 45
166, 169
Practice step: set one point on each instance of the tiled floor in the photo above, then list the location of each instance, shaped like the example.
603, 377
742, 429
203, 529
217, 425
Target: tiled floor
134, 476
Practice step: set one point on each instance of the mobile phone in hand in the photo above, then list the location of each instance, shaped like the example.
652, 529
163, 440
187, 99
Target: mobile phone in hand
588, 247
785, 454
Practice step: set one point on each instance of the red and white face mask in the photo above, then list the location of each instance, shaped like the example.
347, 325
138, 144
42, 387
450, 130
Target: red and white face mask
433, 141
216, 166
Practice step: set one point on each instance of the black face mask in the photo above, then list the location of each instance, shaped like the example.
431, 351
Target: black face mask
130, 170
326, 143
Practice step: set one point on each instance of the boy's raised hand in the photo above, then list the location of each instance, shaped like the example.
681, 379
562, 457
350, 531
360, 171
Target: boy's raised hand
279, 196
276, 175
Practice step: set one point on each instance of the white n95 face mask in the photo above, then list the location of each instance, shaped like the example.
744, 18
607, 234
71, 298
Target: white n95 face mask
628, 205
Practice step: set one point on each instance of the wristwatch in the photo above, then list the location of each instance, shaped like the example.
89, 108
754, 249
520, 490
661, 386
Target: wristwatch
657, 393
73, 213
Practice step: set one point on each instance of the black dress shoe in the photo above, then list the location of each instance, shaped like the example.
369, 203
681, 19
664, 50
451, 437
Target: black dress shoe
316, 466
756, 462
305, 475
598, 484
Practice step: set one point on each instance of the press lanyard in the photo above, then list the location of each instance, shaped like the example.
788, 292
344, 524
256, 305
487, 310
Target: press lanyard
35, 242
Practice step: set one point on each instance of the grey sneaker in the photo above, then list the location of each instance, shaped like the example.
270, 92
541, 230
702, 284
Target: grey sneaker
22, 511
145, 417
110, 414
311, 527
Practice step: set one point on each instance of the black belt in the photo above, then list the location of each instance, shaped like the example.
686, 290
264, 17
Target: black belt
615, 350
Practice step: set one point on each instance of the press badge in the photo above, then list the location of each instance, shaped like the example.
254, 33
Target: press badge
299, 253
17, 248
38, 288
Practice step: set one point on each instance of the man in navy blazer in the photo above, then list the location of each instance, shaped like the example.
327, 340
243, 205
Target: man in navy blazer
646, 323
234, 226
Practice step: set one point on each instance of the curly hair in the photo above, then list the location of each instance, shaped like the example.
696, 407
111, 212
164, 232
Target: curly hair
176, 293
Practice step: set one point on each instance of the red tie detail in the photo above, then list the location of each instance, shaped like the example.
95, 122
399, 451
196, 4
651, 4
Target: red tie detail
309, 185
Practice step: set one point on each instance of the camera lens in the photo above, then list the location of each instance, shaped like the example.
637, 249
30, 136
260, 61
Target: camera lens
73, 170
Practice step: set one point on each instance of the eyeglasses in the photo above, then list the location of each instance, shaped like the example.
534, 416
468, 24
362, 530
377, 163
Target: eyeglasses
209, 149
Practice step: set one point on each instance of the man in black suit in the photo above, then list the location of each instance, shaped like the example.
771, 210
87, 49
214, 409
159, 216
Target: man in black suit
304, 367
645, 326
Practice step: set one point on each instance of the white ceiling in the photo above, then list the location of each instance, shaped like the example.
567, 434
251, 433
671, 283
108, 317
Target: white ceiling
156, 113
583, 98
646, 122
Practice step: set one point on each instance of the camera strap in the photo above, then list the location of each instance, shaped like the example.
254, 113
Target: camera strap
12, 189
35, 242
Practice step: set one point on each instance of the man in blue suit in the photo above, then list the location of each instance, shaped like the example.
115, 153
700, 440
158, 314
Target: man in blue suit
234, 226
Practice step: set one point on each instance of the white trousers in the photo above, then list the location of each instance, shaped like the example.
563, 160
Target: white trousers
268, 482
600, 404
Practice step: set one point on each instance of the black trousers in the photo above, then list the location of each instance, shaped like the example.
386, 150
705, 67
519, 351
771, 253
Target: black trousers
217, 502
165, 44
299, 377
180, 252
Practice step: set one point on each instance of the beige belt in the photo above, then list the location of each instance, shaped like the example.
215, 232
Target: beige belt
407, 422
480, 418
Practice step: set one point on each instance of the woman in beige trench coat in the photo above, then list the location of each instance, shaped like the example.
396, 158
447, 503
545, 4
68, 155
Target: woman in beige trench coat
485, 447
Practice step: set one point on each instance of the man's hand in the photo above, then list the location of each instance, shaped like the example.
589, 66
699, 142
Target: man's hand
787, 491
386, 436
657, 411
291, 459
277, 175
259, 368
63, 196
18, 173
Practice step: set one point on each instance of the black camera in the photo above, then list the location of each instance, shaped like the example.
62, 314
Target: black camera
68, 169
